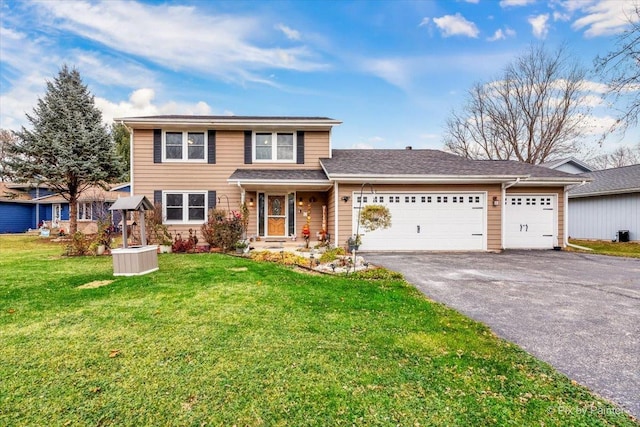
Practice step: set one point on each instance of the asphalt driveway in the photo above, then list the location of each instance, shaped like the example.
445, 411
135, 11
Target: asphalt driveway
580, 313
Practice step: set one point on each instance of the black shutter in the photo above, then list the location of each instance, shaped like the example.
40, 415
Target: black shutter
211, 148
248, 155
157, 146
300, 148
211, 199
157, 196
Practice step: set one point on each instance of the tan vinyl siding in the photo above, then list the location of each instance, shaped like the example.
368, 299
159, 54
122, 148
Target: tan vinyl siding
559, 191
494, 213
191, 176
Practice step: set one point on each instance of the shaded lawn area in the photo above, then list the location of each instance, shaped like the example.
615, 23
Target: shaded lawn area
607, 247
221, 340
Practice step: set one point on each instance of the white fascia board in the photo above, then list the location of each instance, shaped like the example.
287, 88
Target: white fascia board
605, 193
549, 181
229, 123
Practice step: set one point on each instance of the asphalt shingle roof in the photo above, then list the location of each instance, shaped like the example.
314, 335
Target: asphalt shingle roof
427, 162
279, 175
615, 180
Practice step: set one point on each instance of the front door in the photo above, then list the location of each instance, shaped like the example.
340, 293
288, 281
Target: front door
276, 215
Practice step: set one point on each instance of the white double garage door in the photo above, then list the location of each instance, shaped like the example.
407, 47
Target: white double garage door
457, 221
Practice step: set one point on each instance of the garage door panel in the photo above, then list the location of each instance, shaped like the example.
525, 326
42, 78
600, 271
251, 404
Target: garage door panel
530, 221
428, 221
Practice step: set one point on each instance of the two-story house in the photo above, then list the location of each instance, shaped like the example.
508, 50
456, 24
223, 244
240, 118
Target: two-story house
285, 170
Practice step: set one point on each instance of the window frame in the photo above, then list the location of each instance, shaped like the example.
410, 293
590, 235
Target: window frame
185, 206
185, 146
82, 207
274, 146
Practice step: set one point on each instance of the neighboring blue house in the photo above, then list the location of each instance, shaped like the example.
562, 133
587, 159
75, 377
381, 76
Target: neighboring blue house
25, 206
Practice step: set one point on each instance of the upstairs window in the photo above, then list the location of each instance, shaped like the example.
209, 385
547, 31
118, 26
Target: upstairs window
274, 146
184, 146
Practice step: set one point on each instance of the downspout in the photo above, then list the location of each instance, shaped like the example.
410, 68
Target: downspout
504, 208
566, 220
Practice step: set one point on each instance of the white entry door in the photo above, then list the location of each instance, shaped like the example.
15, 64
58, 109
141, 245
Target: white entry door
530, 221
426, 221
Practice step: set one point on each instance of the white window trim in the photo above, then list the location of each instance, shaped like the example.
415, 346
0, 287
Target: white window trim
274, 147
81, 209
185, 146
185, 206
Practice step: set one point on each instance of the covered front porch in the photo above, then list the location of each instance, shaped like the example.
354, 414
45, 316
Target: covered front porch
286, 206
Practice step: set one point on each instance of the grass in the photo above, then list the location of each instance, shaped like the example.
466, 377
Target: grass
606, 247
218, 340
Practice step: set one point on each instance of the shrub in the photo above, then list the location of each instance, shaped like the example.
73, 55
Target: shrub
377, 274
181, 245
286, 258
157, 232
331, 254
80, 245
221, 231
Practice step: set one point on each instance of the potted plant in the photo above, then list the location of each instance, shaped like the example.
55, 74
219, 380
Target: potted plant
374, 217
354, 242
241, 246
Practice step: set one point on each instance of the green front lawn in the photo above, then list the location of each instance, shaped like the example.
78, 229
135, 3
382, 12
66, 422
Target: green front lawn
218, 340
607, 247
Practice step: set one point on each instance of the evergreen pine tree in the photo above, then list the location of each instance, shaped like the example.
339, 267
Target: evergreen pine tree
68, 147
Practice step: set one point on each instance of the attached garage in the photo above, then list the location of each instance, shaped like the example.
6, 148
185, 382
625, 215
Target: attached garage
426, 221
531, 221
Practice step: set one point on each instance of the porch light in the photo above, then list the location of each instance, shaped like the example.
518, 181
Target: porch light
300, 201
345, 199
496, 202
251, 202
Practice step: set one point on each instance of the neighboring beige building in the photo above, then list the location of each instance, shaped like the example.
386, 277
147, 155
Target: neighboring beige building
284, 169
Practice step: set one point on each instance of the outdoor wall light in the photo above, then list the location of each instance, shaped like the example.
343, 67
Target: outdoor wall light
496, 202
251, 202
345, 199
300, 201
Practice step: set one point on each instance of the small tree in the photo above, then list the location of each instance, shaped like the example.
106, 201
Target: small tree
532, 112
68, 147
7, 138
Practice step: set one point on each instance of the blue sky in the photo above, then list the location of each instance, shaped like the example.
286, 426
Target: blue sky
392, 71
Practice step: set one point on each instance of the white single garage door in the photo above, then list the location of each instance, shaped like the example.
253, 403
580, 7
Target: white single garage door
530, 221
426, 221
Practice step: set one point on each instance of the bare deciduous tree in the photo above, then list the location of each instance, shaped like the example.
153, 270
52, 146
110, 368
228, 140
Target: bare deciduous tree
621, 71
621, 156
533, 112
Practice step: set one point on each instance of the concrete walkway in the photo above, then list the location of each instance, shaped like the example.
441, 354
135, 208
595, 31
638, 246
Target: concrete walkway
580, 313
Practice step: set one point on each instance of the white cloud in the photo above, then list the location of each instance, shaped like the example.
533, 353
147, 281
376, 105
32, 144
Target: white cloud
501, 35
140, 103
540, 25
604, 17
178, 37
472, 1
425, 21
361, 146
456, 25
397, 71
515, 3
290, 33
